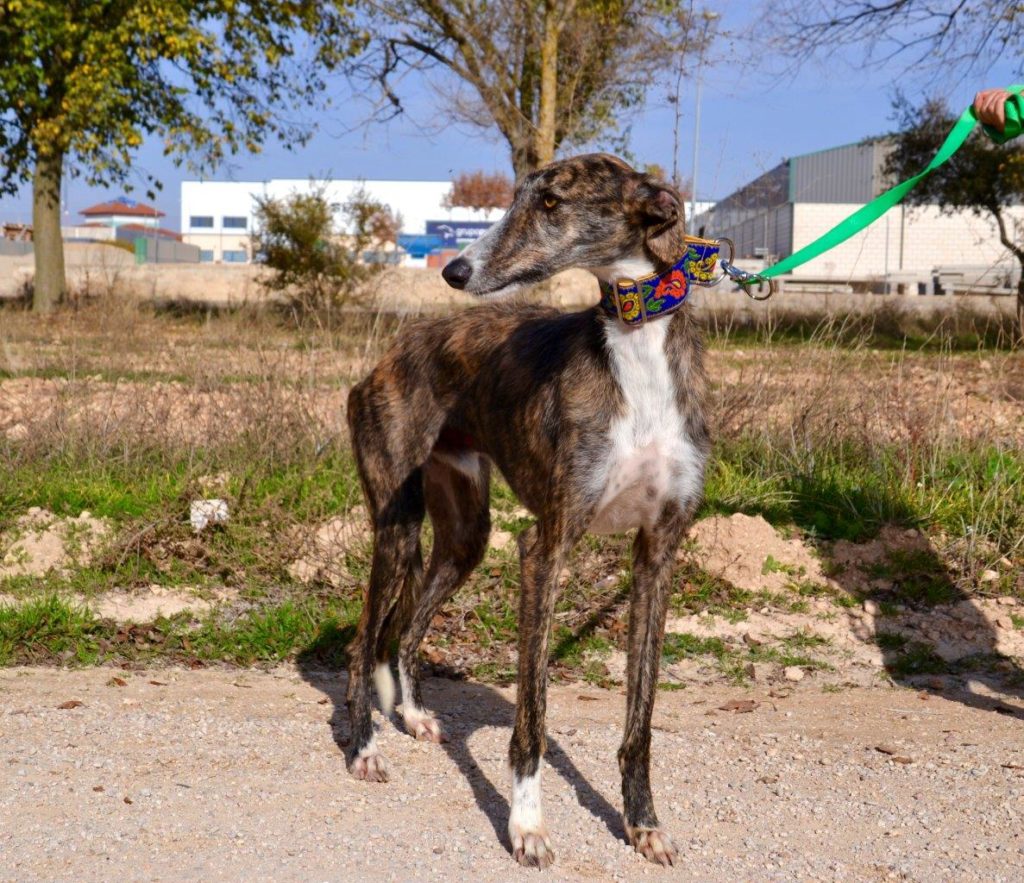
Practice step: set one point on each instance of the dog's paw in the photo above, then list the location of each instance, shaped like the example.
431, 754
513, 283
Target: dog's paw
424, 728
653, 845
369, 767
532, 849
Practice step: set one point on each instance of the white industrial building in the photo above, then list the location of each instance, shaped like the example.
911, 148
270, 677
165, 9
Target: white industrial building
912, 247
218, 216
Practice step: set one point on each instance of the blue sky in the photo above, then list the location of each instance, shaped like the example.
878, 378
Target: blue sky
752, 118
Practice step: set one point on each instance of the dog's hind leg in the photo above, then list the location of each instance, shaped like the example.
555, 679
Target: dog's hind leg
457, 501
653, 558
389, 448
396, 555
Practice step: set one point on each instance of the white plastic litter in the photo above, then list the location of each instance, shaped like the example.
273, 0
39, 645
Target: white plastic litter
206, 512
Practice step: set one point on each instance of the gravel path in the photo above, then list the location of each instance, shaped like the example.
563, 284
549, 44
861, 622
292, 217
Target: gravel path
237, 775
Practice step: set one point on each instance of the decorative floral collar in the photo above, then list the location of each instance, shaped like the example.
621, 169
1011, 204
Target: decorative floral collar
634, 301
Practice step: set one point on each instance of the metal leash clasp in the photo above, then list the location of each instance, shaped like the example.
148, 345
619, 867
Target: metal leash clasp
711, 283
743, 278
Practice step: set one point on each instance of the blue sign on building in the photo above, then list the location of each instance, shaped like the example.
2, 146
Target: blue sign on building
458, 232
419, 246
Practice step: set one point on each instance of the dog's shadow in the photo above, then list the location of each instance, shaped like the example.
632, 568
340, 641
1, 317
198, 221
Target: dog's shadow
899, 594
463, 707
932, 635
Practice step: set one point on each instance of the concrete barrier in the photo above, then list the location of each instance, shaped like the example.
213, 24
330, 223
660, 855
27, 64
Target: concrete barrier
96, 268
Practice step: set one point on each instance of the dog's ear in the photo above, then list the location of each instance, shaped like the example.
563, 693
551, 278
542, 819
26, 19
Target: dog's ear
660, 208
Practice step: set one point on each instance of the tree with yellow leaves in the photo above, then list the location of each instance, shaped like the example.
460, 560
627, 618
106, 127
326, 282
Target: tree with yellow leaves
83, 82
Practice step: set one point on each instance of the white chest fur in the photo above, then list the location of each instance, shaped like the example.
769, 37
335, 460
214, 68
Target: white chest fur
650, 458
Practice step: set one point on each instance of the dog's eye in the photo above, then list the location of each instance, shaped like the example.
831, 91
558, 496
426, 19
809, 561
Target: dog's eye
550, 202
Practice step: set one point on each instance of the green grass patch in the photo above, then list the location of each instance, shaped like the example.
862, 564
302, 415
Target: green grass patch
732, 660
49, 630
890, 641
682, 645
915, 658
162, 483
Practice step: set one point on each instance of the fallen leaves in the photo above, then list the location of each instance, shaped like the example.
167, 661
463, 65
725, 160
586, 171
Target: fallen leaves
892, 753
71, 703
739, 706
117, 682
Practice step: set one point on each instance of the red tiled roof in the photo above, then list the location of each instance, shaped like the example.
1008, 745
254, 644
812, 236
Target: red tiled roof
119, 207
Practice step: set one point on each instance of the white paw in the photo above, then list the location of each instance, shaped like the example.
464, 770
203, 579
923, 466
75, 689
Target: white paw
532, 849
653, 845
369, 767
424, 727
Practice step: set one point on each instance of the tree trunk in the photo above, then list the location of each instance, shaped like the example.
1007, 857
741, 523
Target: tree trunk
48, 246
544, 139
1020, 305
524, 156
1018, 253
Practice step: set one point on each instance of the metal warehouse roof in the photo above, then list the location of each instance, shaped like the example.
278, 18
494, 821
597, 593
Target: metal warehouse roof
851, 173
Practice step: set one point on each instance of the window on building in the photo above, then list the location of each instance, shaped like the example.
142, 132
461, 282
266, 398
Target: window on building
200, 221
206, 255
234, 222
235, 256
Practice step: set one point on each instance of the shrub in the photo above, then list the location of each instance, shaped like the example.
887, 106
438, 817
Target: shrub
315, 266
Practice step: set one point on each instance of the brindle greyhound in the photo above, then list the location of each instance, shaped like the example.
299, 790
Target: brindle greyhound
596, 425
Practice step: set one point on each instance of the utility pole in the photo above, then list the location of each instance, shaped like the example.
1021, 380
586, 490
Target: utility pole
709, 19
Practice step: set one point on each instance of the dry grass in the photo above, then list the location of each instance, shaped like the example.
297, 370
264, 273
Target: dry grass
829, 430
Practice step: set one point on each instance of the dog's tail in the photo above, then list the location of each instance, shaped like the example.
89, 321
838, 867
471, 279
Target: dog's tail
384, 681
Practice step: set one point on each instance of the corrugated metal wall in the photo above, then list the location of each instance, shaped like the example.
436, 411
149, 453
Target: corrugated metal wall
754, 232
843, 174
759, 216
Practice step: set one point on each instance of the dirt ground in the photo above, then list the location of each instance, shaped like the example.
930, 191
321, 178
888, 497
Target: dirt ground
240, 775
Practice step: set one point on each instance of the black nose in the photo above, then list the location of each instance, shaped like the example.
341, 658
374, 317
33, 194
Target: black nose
456, 273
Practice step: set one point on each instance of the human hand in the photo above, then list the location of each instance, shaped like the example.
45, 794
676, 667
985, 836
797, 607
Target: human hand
990, 107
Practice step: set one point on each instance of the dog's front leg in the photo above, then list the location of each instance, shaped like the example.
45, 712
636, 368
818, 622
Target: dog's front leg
653, 557
540, 557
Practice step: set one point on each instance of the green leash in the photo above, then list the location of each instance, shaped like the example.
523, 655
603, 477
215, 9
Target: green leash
871, 212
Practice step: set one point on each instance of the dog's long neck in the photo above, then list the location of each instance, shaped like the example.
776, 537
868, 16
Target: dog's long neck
632, 267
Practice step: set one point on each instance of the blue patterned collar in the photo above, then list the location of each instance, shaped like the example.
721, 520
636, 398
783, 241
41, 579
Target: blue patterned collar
634, 301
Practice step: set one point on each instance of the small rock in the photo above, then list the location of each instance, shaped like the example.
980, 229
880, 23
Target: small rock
18, 432
1004, 622
988, 576
759, 671
871, 607
609, 581
1007, 601
205, 512
793, 673
500, 539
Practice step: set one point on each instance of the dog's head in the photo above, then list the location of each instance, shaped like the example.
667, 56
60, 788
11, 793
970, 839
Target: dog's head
589, 211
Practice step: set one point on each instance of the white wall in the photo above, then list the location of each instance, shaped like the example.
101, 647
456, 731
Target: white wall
416, 201
929, 239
